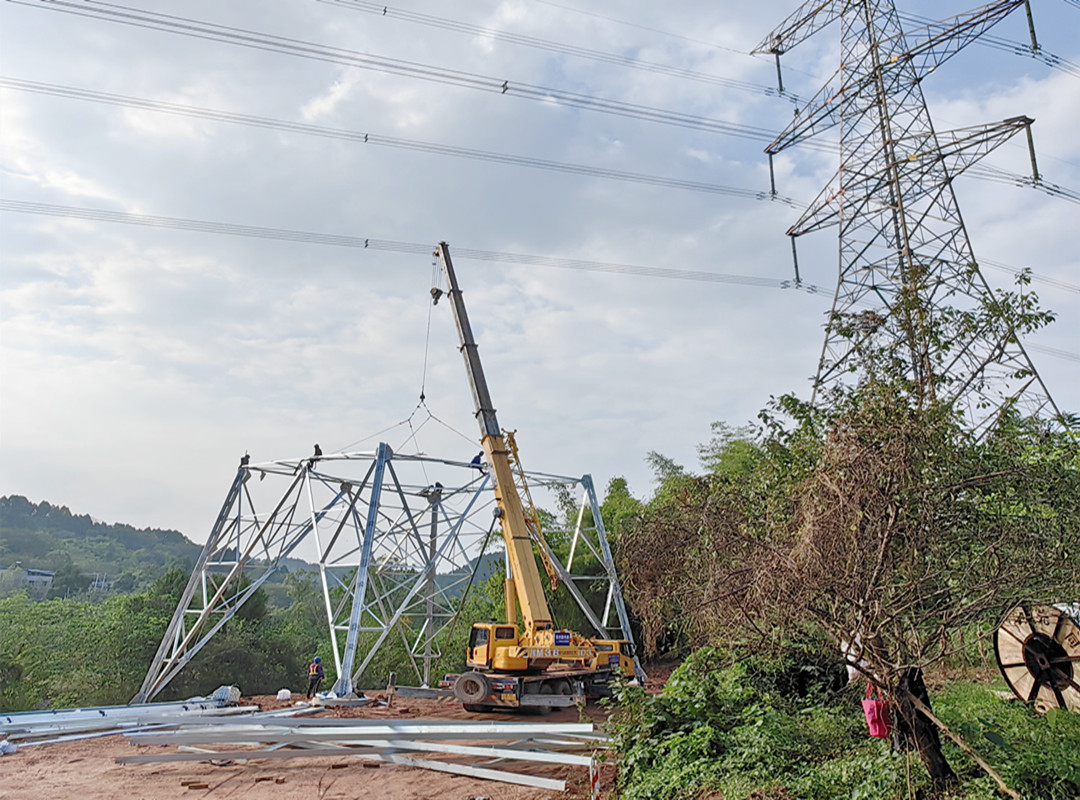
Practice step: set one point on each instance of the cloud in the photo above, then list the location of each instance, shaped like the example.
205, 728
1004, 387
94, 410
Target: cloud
133, 346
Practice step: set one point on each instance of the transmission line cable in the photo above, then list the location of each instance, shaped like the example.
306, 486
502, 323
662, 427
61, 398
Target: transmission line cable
1053, 351
981, 171
1058, 284
670, 34
988, 172
185, 26
308, 237
557, 47
74, 93
246, 38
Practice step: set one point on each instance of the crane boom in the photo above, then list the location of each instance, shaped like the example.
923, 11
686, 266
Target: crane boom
540, 666
527, 587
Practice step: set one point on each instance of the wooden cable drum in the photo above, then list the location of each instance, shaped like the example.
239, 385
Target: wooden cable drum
1038, 652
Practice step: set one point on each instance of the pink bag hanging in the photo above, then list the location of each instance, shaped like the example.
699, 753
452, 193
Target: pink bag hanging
877, 713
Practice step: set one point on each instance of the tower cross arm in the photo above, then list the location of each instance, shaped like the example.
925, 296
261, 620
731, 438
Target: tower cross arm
955, 150
804, 22
895, 66
936, 42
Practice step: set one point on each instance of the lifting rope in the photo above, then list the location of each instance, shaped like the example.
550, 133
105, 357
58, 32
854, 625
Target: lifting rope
436, 292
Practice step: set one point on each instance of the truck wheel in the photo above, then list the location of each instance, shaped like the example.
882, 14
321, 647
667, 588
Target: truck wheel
471, 688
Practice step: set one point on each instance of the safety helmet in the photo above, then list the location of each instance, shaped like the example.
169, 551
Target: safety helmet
318, 660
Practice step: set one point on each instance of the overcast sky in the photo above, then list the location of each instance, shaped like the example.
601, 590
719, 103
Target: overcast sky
139, 363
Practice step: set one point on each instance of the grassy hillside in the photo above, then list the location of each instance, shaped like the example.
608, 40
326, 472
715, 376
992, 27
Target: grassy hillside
46, 536
75, 547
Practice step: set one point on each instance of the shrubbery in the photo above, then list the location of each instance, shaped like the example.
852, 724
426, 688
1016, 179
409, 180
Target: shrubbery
69, 653
779, 726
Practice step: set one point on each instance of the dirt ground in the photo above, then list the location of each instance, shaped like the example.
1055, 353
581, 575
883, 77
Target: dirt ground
87, 770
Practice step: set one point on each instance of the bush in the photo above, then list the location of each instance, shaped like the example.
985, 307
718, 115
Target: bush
742, 724
775, 726
1035, 755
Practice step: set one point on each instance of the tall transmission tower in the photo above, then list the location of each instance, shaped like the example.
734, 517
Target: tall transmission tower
910, 297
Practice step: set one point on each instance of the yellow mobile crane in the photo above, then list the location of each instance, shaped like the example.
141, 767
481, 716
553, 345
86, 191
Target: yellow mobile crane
537, 665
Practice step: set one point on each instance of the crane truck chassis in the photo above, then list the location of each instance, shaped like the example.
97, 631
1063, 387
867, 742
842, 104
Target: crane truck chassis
578, 672
539, 666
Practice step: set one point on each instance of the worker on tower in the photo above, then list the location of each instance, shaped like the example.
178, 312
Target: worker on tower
315, 677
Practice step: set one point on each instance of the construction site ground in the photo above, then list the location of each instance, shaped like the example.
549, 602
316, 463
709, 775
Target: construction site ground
87, 770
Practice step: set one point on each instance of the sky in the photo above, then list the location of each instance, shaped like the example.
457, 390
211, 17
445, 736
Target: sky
139, 362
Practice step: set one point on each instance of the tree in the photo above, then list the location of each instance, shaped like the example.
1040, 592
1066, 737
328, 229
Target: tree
730, 451
889, 525
877, 517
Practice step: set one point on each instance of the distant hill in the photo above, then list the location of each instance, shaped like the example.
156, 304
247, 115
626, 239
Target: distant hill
43, 536
49, 537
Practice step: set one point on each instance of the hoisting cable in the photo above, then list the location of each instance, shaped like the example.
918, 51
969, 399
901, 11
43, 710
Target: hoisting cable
351, 445
412, 436
451, 428
436, 293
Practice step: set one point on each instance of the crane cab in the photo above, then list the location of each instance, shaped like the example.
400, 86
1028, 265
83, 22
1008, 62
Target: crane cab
493, 645
616, 655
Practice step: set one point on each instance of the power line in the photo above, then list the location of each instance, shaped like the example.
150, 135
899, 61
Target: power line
178, 223
988, 172
668, 34
1053, 351
414, 248
245, 38
495, 34
197, 112
336, 240
193, 28
1057, 284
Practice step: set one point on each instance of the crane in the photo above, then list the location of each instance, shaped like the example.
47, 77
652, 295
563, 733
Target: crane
536, 665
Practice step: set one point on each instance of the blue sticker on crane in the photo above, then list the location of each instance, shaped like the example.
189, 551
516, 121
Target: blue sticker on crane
562, 638
613, 659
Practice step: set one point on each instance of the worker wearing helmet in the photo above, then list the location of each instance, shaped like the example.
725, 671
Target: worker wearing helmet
315, 677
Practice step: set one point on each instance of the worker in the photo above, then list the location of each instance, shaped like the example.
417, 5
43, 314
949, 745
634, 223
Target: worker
478, 462
315, 676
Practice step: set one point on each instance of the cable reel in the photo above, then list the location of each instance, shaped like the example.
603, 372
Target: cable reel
1038, 651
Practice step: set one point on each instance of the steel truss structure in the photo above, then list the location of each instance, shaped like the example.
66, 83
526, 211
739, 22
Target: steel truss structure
910, 296
397, 538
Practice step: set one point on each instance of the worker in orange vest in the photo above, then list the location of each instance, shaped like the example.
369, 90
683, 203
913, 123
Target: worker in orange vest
315, 677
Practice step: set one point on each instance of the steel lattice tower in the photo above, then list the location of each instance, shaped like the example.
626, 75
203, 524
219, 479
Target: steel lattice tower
397, 539
910, 297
